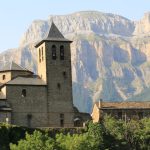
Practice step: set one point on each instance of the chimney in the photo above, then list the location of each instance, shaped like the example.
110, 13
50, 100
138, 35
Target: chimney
100, 103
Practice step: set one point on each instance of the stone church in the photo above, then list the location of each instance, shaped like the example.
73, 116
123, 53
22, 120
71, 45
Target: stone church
45, 99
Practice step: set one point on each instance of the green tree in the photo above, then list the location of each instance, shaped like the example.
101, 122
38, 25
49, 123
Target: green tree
36, 141
73, 142
114, 133
114, 127
110, 134
133, 134
144, 133
95, 135
137, 134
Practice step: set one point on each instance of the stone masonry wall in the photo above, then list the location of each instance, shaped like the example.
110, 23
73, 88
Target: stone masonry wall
60, 99
32, 108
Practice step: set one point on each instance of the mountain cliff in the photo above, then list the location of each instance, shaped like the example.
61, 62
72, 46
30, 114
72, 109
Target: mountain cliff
110, 54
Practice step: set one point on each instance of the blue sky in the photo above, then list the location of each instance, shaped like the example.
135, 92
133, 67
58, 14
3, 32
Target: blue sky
17, 15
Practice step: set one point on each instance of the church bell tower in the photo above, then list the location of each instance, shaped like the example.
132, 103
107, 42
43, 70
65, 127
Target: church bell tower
54, 67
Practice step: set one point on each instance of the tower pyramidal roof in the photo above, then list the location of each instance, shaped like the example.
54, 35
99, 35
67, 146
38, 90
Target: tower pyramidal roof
53, 35
54, 32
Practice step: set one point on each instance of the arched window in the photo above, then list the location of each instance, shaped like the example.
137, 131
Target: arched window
54, 52
24, 93
62, 52
78, 122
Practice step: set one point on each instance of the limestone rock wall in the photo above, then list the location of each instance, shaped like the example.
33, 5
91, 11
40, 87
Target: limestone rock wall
110, 54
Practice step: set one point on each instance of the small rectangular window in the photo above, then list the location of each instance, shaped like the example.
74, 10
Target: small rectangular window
24, 93
4, 77
62, 120
64, 74
58, 86
29, 118
62, 52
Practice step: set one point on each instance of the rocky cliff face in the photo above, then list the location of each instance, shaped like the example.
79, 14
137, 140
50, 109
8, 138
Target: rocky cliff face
143, 26
110, 54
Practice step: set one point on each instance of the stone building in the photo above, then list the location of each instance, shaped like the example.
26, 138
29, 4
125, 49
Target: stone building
120, 110
45, 99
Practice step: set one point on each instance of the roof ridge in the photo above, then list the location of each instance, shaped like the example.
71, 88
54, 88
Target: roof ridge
116, 102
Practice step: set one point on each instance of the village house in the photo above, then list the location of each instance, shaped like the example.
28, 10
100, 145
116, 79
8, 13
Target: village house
125, 110
45, 99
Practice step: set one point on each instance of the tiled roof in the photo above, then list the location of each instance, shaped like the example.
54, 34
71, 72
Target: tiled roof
25, 80
53, 35
123, 105
12, 66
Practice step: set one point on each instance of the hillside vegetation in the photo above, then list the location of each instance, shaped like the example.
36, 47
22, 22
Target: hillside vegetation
110, 134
